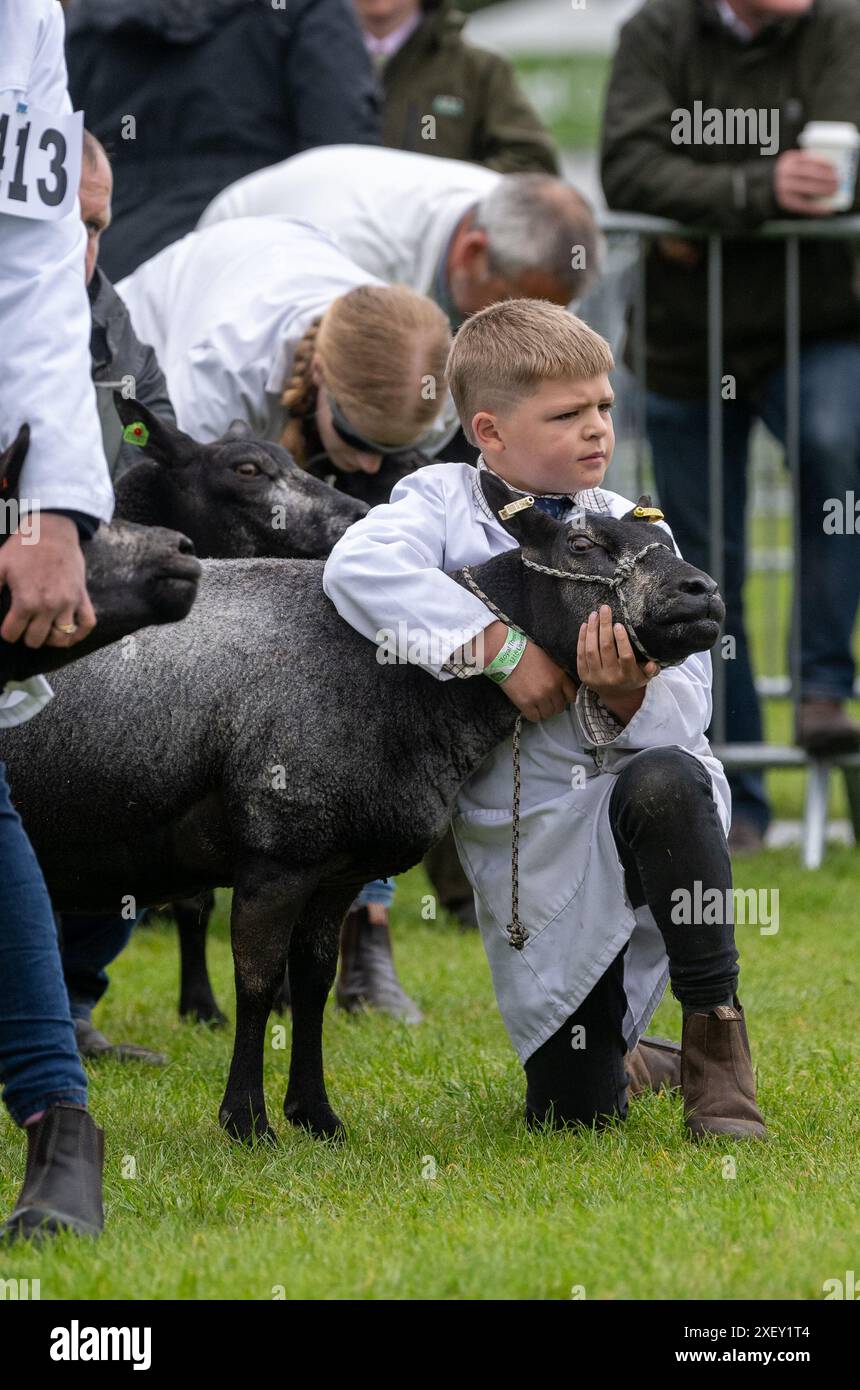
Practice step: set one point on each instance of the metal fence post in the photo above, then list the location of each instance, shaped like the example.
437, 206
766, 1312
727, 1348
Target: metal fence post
792, 443
715, 462
639, 363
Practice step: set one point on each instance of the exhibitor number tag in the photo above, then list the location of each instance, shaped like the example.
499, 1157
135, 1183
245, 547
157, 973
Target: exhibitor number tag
40, 161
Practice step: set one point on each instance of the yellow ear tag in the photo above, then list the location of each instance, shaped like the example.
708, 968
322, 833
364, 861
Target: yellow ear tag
513, 507
648, 514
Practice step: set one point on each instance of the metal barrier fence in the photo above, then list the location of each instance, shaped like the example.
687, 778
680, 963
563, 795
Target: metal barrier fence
790, 232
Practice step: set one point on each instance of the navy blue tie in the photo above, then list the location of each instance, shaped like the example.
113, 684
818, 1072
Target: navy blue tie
554, 506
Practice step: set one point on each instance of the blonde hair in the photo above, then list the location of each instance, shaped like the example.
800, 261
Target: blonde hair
504, 352
382, 350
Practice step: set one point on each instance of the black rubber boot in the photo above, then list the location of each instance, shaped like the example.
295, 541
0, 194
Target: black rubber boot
63, 1183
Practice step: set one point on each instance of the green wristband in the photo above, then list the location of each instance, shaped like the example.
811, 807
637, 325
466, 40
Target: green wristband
508, 657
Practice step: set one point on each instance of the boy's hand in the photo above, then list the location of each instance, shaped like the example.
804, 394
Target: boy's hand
605, 662
537, 687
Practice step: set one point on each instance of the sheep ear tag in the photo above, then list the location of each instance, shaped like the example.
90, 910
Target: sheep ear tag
513, 507
648, 514
136, 433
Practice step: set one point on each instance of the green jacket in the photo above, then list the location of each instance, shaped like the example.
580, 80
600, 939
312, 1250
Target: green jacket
479, 111
671, 54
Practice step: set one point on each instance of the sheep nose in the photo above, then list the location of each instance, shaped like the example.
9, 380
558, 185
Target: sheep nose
186, 546
699, 585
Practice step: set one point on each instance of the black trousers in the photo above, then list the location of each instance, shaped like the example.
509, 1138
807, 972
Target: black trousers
669, 837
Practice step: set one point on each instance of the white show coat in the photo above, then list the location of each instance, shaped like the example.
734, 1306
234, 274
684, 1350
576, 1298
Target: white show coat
393, 212
389, 569
225, 309
45, 376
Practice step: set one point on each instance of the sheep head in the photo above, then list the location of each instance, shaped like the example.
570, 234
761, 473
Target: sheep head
136, 576
237, 497
670, 608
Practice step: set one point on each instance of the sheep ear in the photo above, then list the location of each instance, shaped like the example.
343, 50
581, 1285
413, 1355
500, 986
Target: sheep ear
237, 429
527, 523
644, 510
158, 438
11, 463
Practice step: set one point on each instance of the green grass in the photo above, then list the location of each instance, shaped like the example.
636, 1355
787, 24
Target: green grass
568, 93
634, 1212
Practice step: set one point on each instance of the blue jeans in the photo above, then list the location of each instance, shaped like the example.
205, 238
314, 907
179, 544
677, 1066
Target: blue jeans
830, 573
39, 1063
381, 890
89, 944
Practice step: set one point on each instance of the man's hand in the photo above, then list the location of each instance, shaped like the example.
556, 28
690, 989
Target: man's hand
48, 585
799, 179
605, 662
678, 249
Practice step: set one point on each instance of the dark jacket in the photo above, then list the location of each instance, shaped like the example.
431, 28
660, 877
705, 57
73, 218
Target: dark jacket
480, 111
671, 54
117, 352
216, 89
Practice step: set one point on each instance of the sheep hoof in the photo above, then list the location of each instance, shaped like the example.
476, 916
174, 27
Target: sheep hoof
319, 1120
247, 1128
204, 1011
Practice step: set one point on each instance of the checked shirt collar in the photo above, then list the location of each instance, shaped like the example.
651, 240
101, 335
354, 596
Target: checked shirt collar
588, 499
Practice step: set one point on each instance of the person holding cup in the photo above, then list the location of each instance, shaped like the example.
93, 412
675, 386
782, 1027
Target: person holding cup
789, 69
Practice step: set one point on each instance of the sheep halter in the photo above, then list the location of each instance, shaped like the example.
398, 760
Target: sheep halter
623, 571
518, 934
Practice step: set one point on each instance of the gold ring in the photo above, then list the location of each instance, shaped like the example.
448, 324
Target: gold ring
67, 628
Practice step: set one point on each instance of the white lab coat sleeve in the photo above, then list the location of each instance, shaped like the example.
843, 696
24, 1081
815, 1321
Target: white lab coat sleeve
675, 711
45, 322
213, 386
386, 577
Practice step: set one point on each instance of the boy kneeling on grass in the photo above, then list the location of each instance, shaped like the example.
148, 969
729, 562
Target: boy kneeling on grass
603, 852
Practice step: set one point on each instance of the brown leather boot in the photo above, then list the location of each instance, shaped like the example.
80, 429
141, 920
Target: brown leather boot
63, 1184
823, 727
717, 1078
653, 1065
367, 978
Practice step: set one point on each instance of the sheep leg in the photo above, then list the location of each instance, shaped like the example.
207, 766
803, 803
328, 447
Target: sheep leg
196, 999
266, 903
313, 963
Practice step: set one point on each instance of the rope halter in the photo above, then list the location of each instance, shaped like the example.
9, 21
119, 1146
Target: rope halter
518, 933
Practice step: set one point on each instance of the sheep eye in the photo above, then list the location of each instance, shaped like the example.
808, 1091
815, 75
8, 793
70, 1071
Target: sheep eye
247, 470
582, 543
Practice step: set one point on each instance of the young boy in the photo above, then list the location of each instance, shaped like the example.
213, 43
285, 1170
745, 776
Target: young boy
622, 802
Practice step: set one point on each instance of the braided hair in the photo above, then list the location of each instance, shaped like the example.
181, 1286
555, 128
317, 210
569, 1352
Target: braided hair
299, 400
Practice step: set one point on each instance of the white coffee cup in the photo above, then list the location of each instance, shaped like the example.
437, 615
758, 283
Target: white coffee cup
838, 142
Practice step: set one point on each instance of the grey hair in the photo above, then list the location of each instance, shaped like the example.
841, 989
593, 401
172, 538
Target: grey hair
537, 222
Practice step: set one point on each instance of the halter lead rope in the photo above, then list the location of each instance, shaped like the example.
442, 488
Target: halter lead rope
518, 934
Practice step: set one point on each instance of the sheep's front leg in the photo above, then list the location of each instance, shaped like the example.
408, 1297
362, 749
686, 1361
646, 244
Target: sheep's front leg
266, 903
313, 963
